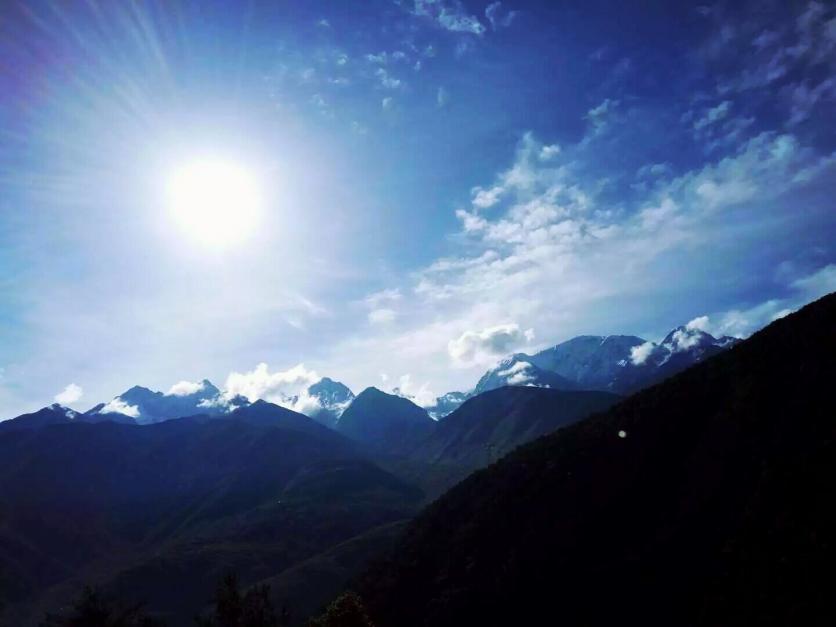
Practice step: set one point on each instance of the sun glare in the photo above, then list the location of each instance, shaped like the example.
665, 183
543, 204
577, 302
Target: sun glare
216, 203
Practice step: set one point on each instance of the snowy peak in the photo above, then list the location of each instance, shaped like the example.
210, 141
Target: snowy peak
146, 406
447, 404
519, 369
614, 363
331, 394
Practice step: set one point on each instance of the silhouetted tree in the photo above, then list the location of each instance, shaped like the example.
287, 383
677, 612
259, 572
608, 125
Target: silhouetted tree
345, 611
252, 608
91, 609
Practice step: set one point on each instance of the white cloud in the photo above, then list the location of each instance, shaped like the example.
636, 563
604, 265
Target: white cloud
639, 354
599, 115
382, 316
518, 373
549, 152
684, 339
817, 284
387, 81
275, 387
482, 347
118, 406
701, 323
742, 322
381, 58
185, 388
69, 395
421, 395
499, 18
486, 198
450, 15
388, 103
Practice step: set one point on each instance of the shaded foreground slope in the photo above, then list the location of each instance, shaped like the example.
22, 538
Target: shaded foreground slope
488, 426
715, 509
159, 513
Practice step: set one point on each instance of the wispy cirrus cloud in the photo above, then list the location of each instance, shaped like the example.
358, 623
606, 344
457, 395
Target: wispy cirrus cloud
450, 15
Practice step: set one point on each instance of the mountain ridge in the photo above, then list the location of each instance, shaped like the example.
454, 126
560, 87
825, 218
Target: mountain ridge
702, 500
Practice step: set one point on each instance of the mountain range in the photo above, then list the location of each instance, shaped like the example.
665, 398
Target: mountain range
122, 495
622, 364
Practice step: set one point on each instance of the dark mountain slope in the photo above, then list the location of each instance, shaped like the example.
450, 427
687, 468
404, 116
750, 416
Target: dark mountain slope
157, 512
385, 422
488, 426
715, 508
52, 415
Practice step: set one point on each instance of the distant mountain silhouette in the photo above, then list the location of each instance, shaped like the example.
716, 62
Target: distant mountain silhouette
56, 415
385, 422
52, 415
705, 500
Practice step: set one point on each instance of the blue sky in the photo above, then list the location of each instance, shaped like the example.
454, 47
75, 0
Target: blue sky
443, 182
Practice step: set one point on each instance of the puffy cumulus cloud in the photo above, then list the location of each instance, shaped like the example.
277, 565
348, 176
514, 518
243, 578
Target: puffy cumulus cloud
185, 388
450, 15
69, 395
549, 152
483, 347
486, 198
382, 316
685, 339
641, 353
701, 323
118, 406
303, 403
276, 387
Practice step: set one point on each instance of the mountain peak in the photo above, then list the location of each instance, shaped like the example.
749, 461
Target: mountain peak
384, 421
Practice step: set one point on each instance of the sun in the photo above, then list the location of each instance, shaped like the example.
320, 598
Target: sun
216, 203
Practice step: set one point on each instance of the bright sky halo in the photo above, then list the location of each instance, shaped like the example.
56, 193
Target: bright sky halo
215, 202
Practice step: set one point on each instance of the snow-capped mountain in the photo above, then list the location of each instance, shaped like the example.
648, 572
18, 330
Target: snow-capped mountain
324, 401
519, 369
591, 361
447, 404
146, 406
622, 364
333, 399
